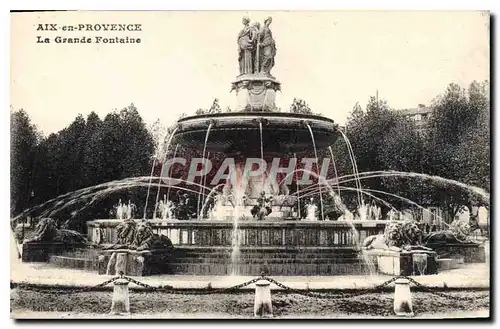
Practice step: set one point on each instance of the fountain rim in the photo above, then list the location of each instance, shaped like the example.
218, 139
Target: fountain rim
264, 115
244, 223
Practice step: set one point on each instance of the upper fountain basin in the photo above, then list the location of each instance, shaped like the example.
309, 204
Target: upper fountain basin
234, 133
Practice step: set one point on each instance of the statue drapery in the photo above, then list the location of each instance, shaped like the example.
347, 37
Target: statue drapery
256, 48
267, 50
246, 47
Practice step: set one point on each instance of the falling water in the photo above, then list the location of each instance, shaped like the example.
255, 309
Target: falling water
210, 195
355, 234
317, 166
299, 215
203, 158
169, 185
364, 191
162, 166
204, 183
160, 139
437, 179
261, 142
334, 168
236, 234
405, 174
168, 175
261, 149
88, 196
354, 165
152, 172
111, 262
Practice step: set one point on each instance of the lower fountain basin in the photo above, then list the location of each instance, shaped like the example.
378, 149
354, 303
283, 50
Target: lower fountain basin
234, 133
404, 262
266, 233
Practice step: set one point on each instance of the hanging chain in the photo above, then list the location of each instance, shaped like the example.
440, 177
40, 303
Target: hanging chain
208, 291
438, 293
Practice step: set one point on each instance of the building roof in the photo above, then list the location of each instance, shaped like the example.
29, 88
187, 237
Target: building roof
417, 110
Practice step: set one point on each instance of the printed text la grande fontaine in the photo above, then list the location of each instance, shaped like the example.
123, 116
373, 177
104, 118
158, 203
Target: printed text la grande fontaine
90, 33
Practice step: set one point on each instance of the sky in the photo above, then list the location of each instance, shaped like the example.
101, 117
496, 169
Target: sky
331, 59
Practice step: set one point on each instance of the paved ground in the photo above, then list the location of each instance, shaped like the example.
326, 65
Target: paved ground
471, 276
171, 315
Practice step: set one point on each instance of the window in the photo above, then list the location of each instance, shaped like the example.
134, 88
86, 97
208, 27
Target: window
418, 117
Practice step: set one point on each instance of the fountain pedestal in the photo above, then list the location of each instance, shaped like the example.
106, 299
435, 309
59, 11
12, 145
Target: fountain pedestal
227, 213
412, 262
135, 263
41, 251
256, 92
469, 252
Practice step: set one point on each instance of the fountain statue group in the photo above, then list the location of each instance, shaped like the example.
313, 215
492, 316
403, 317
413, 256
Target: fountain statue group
263, 206
256, 47
311, 209
165, 208
124, 210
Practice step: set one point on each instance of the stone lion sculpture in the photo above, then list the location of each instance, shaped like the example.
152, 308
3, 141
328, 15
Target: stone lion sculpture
458, 232
397, 235
46, 231
126, 232
146, 239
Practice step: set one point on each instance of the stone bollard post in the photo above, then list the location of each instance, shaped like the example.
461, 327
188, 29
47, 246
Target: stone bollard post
263, 306
121, 263
120, 303
402, 298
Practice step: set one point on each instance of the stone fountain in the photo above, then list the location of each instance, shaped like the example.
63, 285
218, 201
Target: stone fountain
254, 226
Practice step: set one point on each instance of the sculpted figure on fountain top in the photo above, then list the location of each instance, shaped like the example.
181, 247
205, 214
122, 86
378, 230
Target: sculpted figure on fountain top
255, 86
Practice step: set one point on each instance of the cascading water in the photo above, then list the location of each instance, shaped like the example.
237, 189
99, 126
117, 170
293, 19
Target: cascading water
236, 237
354, 166
217, 200
317, 164
355, 234
168, 176
151, 175
162, 167
204, 183
203, 158
334, 168
299, 214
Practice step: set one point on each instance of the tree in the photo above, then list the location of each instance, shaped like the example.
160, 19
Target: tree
473, 152
158, 133
458, 143
92, 162
300, 106
402, 149
86, 153
24, 139
381, 139
214, 108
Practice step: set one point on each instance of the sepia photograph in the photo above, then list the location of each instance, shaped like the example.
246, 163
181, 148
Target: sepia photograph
250, 165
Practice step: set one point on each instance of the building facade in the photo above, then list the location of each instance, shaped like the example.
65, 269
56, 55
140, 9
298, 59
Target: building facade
420, 115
